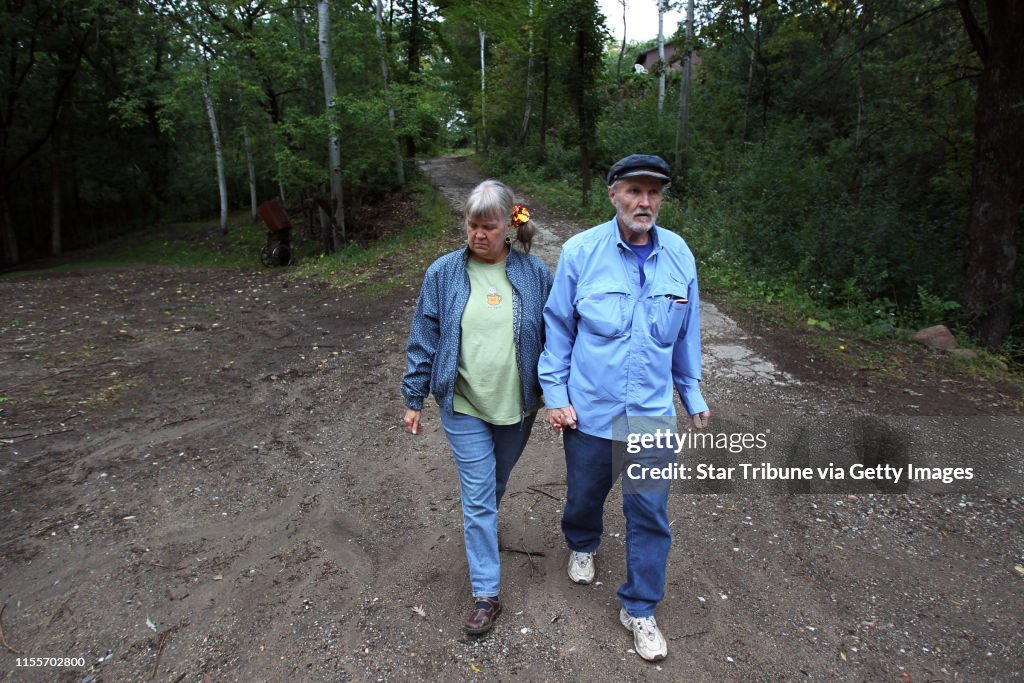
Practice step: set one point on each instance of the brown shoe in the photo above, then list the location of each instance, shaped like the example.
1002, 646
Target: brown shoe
481, 620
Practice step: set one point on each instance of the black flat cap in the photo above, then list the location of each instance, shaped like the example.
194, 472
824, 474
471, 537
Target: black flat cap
649, 165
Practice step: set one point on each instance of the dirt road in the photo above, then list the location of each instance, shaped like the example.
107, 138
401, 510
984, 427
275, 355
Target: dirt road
204, 477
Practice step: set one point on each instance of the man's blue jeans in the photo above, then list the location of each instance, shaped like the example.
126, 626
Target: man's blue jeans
591, 472
484, 455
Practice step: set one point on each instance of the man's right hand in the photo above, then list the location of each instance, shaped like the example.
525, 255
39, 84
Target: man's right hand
560, 418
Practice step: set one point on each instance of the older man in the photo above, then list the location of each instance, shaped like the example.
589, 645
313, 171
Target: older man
623, 330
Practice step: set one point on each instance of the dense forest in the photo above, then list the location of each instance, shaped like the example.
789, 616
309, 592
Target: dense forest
868, 153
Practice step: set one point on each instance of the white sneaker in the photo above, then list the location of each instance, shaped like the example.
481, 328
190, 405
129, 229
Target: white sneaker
647, 638
581, 567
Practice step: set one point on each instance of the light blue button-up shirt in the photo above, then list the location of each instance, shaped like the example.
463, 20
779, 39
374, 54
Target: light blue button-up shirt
614, 348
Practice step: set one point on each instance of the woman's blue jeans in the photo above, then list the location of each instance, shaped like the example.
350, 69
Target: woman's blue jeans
484, 455
591, 473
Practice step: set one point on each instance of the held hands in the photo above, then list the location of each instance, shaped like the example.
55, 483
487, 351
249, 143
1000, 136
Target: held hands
560, 418
411, 420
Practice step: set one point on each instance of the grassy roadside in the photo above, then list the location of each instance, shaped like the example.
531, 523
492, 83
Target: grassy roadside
197, 244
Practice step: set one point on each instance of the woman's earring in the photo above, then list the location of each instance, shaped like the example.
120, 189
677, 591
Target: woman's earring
509, 237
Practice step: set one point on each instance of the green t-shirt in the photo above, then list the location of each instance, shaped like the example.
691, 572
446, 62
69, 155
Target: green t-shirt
488, 385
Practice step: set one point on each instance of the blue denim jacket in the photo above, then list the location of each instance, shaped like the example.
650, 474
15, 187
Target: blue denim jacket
435, 335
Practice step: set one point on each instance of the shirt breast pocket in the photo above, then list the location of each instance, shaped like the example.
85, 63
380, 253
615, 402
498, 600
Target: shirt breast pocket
667, 306
602, 309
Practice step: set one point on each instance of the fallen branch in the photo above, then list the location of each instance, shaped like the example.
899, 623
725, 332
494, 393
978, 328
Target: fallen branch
693, 635
164, 637
529, 556
528, 553
544, 493
3, 638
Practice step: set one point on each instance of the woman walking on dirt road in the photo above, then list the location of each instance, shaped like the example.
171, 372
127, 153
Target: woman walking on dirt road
476, 336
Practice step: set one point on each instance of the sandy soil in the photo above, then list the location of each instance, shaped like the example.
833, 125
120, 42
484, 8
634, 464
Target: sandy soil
203, 477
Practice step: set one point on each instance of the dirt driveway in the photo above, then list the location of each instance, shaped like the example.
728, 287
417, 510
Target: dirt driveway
203, 478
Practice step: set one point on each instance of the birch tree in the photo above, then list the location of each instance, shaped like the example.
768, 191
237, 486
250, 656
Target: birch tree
618, 65
337, 232
218, 152
483, 88
661, 56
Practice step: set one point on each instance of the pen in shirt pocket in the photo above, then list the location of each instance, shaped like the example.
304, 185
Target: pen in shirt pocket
677, 299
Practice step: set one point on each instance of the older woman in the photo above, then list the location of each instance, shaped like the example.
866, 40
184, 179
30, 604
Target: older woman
476, 336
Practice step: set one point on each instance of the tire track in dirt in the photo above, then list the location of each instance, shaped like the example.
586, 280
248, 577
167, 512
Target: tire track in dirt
196, 488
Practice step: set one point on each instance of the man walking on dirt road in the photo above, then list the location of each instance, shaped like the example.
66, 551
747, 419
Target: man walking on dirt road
623, 329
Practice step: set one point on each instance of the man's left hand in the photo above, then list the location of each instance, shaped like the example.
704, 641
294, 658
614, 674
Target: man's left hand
699, 421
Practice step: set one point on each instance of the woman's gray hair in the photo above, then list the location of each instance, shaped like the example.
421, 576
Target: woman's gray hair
493, 198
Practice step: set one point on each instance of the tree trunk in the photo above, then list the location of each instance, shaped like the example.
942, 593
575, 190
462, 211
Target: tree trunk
56, 247
862, 26
618, 65
483, 91
273, 152
253, 201
326, 229
661, 57
997, 182
413, 60
218, 152
399, 164
415, 29
9, 255
299, 14
524, 129
755, 37
583, 116
545, 90
333, 141
682, 132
